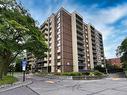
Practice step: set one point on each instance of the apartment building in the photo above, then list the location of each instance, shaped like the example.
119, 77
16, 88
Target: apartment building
94, 47
70, 42
31, 61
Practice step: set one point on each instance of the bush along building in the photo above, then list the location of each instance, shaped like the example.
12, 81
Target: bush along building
74, 46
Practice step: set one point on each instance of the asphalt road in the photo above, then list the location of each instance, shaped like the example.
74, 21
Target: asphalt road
46, 86
72, 87
20, 91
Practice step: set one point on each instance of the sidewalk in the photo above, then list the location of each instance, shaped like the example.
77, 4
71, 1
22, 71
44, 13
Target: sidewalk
19, 83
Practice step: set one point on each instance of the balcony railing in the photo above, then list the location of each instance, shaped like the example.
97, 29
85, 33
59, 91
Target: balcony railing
81, 58
81, 52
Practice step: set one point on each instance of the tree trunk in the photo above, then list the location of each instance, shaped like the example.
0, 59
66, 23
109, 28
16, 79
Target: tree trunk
4, 63
6, 66
1, 70
5, 60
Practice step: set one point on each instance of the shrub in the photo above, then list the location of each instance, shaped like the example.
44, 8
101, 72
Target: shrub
72, 74
58, 74
125, 73
99, 68
93, 73
8, 80
97, 73
86, 73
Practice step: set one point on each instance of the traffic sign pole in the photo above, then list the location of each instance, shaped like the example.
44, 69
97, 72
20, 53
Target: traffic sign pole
24, 64
23, 76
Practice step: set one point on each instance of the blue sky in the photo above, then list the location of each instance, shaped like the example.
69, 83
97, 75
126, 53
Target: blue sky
108, 16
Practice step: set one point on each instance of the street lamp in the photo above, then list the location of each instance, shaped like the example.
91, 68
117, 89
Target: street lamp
104, 65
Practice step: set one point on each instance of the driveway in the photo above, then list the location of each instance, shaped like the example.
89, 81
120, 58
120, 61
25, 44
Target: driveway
56, 86
108, 86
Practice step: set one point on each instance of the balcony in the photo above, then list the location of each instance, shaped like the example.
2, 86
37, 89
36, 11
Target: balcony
80, 41
81, 64
45, 64
81, 52
80, 26
80, 36
79, 21
58, 44
58, 50
58, 38
80, 31
78, 17
50, 58
50, 36
50, 52
81, 58
58, 57
80, 47
31, 60
46, 37
58, 63
45, 59
29, 56
58, 32
50, 42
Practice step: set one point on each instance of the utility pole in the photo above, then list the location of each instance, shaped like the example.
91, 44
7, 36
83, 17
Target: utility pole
105, 62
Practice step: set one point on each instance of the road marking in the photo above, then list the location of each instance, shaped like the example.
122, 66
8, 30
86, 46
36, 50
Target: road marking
115, 78
51, 82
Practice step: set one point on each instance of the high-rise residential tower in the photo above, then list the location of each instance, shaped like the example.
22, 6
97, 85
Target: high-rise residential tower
71, 44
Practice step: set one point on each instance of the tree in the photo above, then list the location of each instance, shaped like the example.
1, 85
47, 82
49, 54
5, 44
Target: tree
18, 32
122, 50
18, 67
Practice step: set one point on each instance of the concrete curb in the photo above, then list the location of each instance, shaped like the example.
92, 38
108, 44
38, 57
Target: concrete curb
13, 86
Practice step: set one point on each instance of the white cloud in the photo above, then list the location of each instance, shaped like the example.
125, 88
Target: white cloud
100, 18
110, 15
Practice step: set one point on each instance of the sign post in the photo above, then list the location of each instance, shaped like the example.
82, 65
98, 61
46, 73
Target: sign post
24, 63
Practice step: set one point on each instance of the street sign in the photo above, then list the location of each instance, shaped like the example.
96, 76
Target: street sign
24, 63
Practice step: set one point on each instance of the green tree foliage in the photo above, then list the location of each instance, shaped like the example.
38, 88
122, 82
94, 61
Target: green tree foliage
18, 67
122, 50
18, 32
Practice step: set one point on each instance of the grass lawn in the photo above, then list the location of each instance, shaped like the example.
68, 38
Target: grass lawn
8, 80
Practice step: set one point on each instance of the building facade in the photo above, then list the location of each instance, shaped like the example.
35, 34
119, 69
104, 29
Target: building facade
114, 61
31, 61
71, 44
